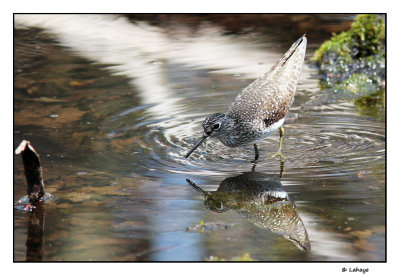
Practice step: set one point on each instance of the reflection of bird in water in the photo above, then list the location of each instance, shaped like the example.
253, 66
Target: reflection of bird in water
261, 108
262, 200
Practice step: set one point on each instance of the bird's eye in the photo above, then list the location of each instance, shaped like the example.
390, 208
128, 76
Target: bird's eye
216, 126
221, 206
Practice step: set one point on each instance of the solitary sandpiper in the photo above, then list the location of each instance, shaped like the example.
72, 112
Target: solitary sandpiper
261, 108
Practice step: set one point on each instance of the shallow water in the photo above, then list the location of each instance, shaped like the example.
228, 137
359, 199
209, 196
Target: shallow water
112, 114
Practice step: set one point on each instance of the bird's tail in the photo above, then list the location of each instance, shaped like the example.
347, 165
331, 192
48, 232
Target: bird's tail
296, 54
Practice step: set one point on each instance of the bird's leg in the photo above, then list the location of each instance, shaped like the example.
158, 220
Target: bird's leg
282, 168
256, 155
256, 152
281, 133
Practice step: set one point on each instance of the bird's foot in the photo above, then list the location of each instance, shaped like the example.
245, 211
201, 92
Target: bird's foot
280, 155
254, 162
255, 159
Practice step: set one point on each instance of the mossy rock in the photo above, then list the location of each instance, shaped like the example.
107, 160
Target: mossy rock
352, 64
365, 38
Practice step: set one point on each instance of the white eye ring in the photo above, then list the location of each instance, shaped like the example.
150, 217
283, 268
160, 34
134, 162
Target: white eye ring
216, 126
221, 206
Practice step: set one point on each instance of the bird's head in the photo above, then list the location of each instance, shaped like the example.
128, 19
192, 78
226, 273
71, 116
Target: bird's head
212, 126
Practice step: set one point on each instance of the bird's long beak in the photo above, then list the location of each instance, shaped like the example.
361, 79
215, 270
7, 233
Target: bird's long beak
197, 188
202, 139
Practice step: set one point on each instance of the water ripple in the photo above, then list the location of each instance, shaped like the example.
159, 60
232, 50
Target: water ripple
331, 144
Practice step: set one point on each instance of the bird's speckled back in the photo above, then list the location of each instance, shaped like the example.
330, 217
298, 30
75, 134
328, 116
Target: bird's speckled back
270, 96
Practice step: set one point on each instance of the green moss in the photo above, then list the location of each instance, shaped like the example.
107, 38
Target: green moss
339, 44
366, 37
368, 30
